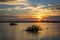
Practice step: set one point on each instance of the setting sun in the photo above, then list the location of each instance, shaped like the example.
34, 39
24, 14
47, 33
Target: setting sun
39, 17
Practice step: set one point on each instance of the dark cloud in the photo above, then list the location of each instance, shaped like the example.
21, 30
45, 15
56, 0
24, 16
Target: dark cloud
6, 0
52, 18
58, 8
54, 6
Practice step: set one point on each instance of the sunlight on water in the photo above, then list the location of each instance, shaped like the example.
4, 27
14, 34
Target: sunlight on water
50, 31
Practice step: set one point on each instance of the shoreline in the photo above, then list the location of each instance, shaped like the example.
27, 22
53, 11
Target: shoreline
29, 21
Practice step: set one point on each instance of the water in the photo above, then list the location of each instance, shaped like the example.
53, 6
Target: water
50, 31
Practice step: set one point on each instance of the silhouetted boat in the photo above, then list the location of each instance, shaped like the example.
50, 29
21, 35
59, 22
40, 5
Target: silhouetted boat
33, 28
13, 24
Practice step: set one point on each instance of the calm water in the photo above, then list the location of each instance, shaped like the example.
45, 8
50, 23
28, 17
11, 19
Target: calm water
51, 31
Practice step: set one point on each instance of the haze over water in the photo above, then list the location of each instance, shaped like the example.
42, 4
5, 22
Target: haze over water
50, 31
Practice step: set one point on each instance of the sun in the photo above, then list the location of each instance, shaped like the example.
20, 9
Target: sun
39, 17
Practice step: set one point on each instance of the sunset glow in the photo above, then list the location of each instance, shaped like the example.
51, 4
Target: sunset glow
29, 9
29, 19
39, 17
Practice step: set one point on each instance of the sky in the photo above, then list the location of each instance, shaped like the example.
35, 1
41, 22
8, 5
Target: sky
30, 7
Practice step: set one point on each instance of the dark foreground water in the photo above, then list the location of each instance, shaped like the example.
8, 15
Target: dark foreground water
51, 31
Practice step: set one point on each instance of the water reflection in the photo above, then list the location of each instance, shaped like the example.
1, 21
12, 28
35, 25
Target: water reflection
50, 31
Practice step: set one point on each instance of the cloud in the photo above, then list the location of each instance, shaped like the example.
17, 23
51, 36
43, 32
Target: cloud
31, 9
14, 2
25, 7
10, 0
17, 7
52, 18
54, 6
6, 0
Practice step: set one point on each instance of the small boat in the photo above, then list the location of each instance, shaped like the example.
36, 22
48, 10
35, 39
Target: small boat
33, 28
13, 24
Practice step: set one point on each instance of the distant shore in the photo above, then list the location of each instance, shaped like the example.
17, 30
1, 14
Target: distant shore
29, 21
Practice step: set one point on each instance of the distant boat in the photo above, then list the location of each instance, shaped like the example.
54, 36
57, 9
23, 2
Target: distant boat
33, 28
13, 23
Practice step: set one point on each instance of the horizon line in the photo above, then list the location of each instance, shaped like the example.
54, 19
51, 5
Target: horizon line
29, 21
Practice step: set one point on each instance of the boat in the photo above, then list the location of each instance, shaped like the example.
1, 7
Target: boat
33, 28
13, 24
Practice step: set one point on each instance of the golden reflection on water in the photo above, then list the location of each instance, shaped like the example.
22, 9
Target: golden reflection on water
49, 30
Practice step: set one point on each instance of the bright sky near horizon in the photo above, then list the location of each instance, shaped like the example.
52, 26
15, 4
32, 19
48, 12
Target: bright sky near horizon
30, 7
